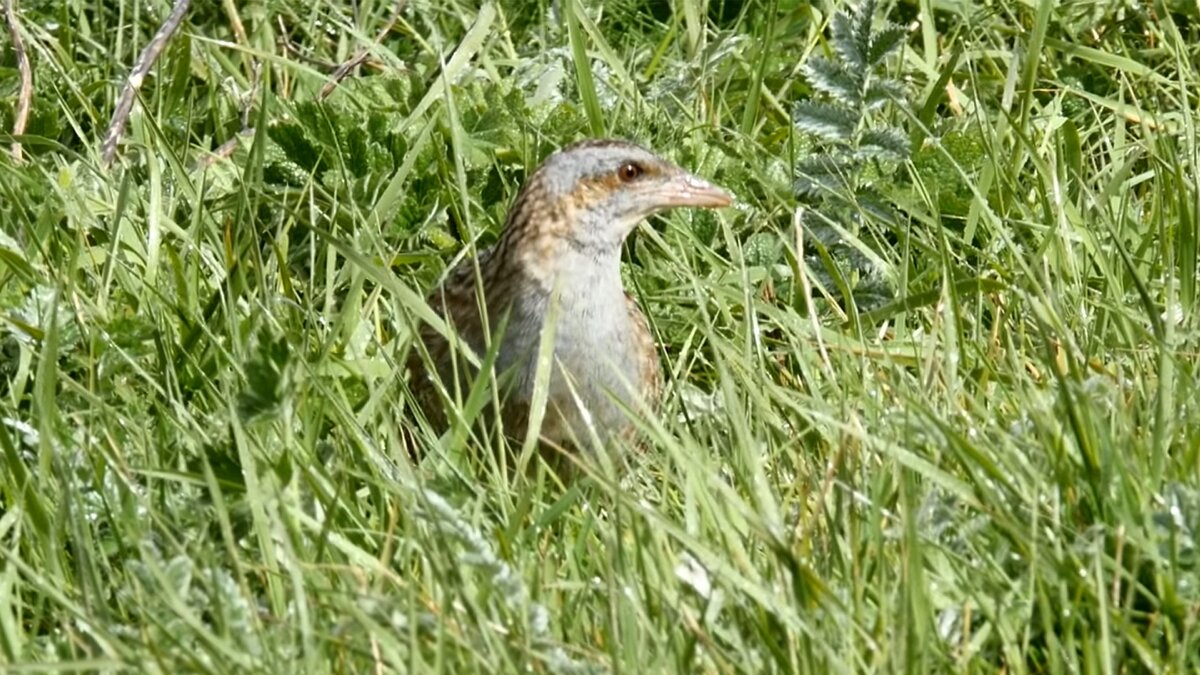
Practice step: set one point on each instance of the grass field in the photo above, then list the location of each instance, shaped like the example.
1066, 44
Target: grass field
931, 402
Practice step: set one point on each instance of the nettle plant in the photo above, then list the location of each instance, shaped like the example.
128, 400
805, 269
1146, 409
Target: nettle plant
855, 153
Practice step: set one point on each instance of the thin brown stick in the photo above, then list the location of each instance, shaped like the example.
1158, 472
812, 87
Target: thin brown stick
116, 128
292, 50
25, 97
226, 149
361, 55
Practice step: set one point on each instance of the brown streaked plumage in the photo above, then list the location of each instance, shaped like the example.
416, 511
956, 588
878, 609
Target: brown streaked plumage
559, 255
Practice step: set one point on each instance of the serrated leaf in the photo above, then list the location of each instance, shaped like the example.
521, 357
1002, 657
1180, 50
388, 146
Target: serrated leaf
266, 378
844, 43
830, 78
871, 202
378, 125
865, 10
885, 42
355, 153
317, 125
829, 164
762, 249
295, 145
881, 91
283, 172
831, 122
863, 15
823, 175
889, 143
872, 292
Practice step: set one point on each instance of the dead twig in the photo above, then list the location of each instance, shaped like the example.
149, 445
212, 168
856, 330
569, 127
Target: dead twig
285, 43
225, 151
116, 128
25, 97
361, 55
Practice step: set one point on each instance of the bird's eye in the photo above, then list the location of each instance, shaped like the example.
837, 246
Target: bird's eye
629, 171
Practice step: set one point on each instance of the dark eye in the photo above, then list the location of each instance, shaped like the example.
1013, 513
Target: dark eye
629, 171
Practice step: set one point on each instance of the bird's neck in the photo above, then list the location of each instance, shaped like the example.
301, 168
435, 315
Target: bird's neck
580, 276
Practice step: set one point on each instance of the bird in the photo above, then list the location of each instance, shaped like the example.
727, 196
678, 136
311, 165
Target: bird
556, 266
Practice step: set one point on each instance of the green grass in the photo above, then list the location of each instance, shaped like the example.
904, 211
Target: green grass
965, 438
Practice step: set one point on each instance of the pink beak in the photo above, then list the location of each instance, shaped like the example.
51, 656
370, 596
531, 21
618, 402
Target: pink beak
685, 189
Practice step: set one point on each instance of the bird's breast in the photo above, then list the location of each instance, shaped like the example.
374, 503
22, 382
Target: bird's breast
598, 359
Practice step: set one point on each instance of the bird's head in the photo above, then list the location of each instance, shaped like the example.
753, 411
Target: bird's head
592, 194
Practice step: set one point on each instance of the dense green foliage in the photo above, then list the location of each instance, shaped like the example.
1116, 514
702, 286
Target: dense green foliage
932, 400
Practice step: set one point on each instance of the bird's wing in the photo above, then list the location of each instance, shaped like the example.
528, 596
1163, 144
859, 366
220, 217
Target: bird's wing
456, 302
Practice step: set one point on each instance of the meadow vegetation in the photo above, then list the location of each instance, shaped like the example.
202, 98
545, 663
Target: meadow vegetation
931, 385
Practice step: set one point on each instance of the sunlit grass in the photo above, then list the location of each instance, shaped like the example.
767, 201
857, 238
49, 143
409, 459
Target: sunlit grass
208, 450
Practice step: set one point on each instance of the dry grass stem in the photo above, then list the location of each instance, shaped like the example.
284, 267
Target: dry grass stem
25, 97
361, 55
150, 54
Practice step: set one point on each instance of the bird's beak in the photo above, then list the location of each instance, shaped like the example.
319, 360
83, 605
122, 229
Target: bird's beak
685, 189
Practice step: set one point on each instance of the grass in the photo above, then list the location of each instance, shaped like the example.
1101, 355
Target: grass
957, 435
